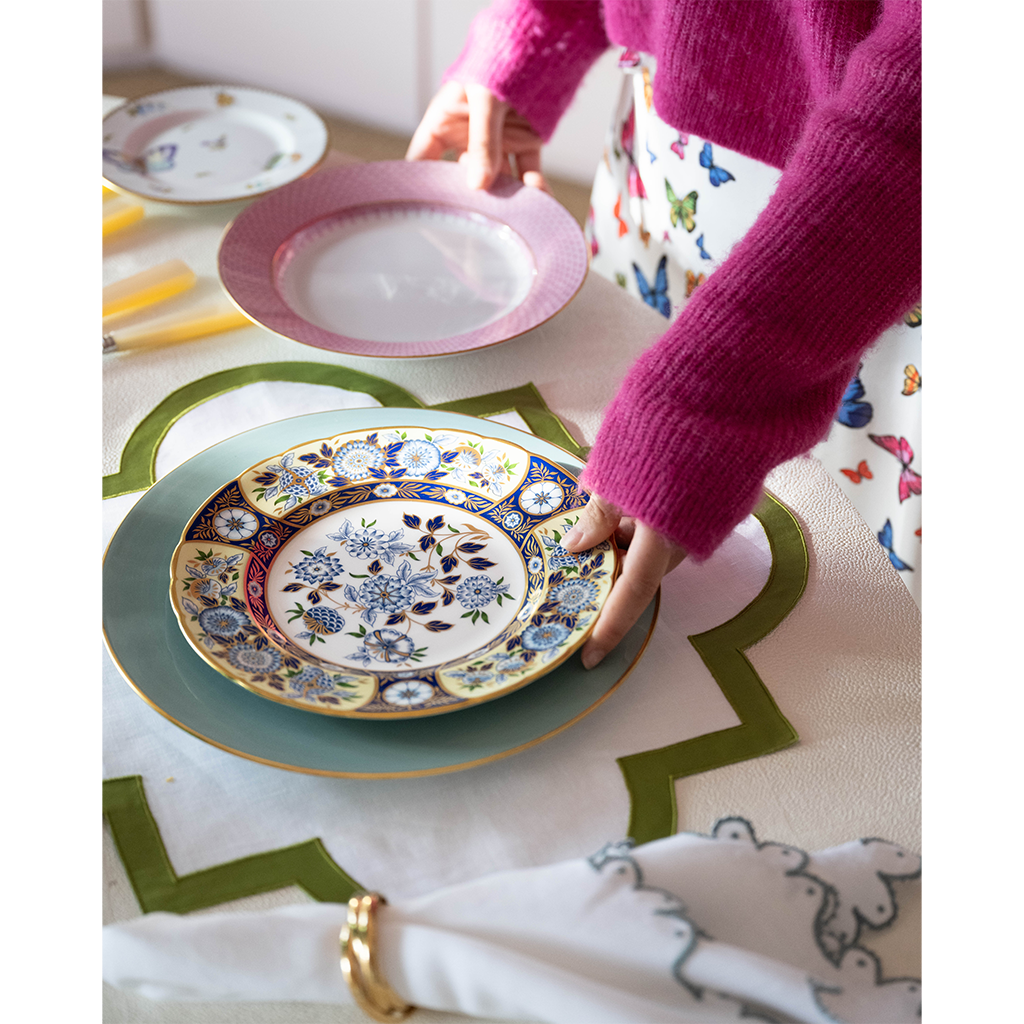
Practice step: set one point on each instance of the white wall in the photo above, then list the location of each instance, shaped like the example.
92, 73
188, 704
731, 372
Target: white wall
373, 61
125, 43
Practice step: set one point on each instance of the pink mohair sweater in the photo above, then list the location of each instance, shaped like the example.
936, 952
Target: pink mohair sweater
752, 370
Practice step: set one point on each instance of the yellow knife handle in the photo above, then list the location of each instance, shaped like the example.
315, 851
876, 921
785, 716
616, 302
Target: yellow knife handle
166, 330
147, 287
119, 213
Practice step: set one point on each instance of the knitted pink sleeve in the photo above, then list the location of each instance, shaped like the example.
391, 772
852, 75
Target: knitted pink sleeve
532, 54
753, 369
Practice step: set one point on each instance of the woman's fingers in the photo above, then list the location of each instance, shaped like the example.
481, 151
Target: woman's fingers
443, 125
529, 170
597, 522
650, 557
484, 148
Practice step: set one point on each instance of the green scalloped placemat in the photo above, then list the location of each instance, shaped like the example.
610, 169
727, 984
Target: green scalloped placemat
157, 886
137, 469
649, 775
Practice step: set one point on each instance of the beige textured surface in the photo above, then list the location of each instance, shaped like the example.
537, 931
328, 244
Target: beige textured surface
855, 703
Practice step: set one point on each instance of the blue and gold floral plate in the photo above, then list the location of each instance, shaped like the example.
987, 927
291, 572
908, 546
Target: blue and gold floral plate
390, 573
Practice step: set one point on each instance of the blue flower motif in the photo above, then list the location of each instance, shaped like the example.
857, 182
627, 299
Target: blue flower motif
574, 595
366, 543
205, 588
408, 693
322, 620
297, 481
355, 459
419, 457
558, 557
310, 680
388, 645
318, 568
536, 564
225, 622
473, 678
478, 591
512, 520
251, 658
544, 636
385, 594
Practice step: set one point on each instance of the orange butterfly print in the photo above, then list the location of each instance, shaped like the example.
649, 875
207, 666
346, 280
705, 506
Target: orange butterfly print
623, 226
912, 384
860, 473
692, 280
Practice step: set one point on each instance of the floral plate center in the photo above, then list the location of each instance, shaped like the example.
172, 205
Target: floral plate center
391, 586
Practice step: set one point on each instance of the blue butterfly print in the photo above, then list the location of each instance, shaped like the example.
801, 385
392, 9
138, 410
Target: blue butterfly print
650, 152
160, 158
885, 539
657, 296
117, 158
718, 175
704, 254
853, 412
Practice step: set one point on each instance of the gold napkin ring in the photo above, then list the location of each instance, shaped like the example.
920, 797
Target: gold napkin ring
371, 992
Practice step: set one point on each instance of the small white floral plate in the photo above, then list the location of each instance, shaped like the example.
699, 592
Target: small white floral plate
389, 574
210, 144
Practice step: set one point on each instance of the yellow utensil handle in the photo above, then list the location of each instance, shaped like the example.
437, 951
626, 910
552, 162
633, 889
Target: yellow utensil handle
119, 213
165, 330
147, 287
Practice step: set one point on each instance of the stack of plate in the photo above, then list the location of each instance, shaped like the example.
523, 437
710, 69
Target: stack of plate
389, 259
341, 583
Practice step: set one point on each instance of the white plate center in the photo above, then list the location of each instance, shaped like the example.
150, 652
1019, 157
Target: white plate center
404, 272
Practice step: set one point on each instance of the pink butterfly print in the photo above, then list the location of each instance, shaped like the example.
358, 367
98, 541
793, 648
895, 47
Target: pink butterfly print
910, 482
677, 146
628, 128
636, 183
629, 59
590, 231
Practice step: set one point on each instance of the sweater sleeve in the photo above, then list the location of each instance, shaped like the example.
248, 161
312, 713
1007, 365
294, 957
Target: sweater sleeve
532, 54
751, 372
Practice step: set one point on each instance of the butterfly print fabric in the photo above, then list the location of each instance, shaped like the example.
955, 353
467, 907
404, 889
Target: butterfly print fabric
667, 208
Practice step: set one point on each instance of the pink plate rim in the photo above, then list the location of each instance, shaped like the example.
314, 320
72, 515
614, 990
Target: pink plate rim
248, 250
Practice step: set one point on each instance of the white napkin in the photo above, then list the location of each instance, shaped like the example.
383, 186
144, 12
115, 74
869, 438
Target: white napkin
694, 927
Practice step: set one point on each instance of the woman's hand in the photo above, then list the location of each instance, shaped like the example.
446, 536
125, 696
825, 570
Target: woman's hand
484, 131
649, 556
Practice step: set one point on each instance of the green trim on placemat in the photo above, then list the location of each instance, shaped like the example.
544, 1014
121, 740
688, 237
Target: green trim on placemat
527, 401
138, 460
157, 887
650, 776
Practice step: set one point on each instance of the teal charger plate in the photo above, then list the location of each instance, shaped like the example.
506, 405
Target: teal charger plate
147, 645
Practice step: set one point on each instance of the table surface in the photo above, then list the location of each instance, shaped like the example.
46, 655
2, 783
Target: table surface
843, 666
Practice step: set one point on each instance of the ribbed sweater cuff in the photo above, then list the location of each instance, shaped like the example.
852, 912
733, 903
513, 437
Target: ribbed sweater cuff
533, 55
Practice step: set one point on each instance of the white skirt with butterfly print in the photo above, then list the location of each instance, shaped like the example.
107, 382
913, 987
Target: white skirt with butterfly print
665, 211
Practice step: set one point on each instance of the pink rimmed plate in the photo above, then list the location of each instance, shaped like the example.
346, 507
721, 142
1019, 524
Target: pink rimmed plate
400, 259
